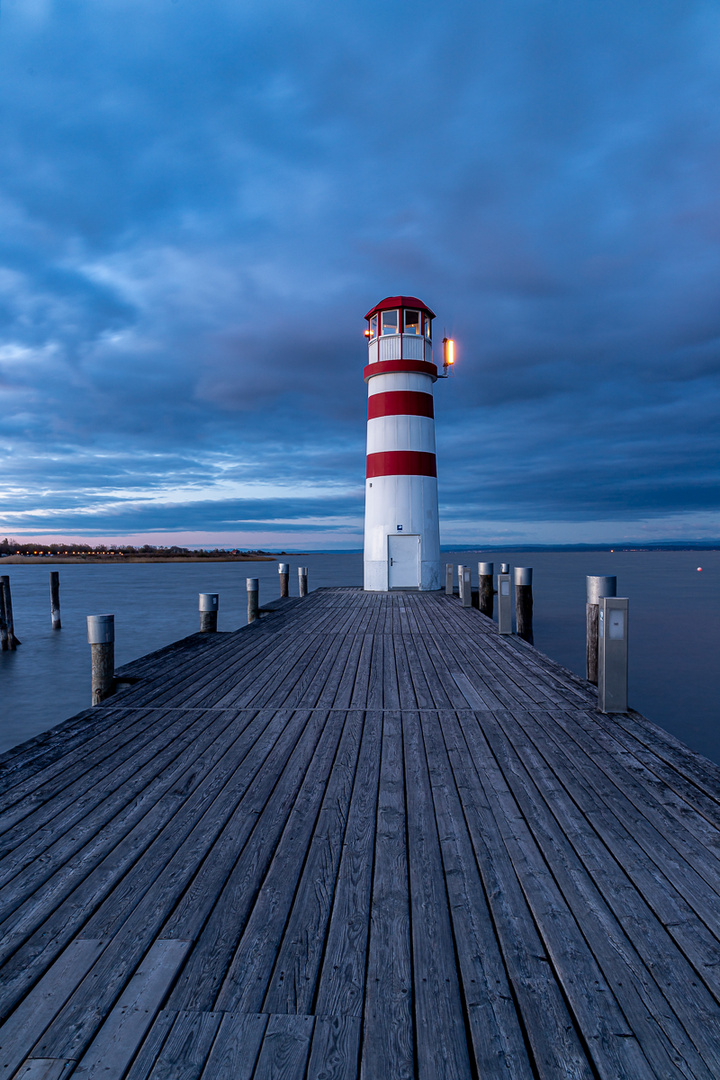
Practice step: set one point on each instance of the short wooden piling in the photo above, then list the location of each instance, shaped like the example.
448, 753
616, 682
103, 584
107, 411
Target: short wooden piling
4, 643
597, 587
524, 602
101, 636
253, 595
486, 592
55, 600
9, 621
208, 612
284, 572
302, 580
449, 579
466, 587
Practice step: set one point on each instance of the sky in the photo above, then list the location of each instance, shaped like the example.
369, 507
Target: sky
200, 199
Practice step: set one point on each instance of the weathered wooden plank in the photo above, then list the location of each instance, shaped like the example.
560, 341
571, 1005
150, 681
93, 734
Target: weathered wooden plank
388, 1027
43, 1069
441, 1044
236, 1048
151, 1046
119, 1038
285, 1049
335, 1048
293, 981
185, 1051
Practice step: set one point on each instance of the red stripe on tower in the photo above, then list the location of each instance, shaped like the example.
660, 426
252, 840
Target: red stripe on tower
401, 463
400, 403
387, 367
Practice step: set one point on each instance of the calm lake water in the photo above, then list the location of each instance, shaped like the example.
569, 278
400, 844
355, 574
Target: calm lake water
674, 625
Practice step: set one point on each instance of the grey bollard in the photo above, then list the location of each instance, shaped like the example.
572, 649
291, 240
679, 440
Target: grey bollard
504, 604
55, 600
486, 592
466, 587
101, 636
449, 579
253, 593
460, 580
612, 654
208, 612
302, 580
284, 572
504, 567
4, 643
524, 602
12, 641
596, 588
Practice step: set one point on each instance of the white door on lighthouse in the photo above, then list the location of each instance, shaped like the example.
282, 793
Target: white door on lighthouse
403, 562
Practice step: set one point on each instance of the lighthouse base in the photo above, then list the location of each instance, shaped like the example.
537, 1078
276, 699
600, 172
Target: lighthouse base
402, 551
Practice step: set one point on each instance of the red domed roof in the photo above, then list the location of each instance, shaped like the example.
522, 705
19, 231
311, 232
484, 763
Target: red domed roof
401, 302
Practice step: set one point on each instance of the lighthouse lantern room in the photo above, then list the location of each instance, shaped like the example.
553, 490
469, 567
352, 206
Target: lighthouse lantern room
402, 538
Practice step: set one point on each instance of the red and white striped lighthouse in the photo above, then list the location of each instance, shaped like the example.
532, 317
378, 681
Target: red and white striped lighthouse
402, 537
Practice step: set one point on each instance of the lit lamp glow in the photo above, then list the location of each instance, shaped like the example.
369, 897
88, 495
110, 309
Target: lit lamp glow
449, 357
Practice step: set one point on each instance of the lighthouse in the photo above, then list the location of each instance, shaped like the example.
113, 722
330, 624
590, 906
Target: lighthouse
402, 536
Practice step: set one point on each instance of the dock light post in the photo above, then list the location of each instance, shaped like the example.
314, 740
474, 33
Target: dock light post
596, 588
302, 580
524, 602
466, 587
486, 593
284, 572
460, 581
402, 534
504, 567
208, 612
449, 579
253, 595
504, 604
612, 654
101, 637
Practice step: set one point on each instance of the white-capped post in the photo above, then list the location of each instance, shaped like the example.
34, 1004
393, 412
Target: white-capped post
302, 580
284, 572
208, 612
101, 637
253, 594
524, 602
486, 591
613, 654
504, 604
596, 586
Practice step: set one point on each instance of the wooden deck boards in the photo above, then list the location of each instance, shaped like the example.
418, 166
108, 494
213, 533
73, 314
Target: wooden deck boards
365, 837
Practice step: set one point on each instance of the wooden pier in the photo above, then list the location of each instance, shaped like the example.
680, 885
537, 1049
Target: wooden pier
362, 837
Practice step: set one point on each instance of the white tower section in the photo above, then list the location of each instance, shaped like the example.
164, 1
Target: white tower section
402, 537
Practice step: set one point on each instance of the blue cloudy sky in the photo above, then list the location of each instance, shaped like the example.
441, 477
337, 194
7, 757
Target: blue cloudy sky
199, 200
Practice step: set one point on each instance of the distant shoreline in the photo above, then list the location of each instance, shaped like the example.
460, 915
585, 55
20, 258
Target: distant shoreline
121, 559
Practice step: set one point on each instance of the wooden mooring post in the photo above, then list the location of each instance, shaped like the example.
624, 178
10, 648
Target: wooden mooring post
486, 592
302, 580
253, 598
101, 636
55, 600
208, 612
284, 572
12, 641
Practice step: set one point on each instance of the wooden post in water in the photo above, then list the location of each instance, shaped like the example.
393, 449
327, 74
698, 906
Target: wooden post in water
486, 592
466, 587
208, 612
101, 636
449, 579
9, 622
55, 600
253, 593
284, 572
524, 602
596, 588
4, 643
302, 580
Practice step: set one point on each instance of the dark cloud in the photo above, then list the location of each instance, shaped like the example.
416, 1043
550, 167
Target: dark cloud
199, 202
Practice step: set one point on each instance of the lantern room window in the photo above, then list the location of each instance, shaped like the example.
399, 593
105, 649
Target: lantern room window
428, 327
389, 322
373, 326
412, 322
